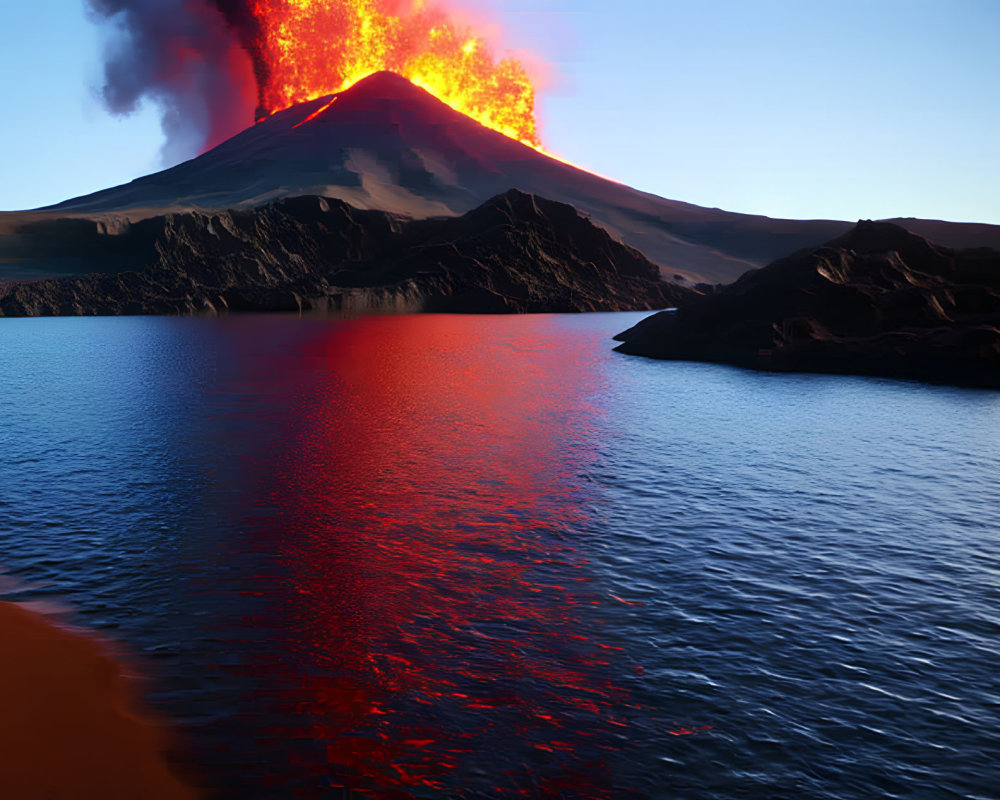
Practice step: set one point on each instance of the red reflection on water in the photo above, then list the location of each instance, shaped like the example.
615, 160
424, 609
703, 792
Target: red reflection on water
438, 611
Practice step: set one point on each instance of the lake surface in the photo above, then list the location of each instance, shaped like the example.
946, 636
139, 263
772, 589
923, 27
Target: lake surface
486, 557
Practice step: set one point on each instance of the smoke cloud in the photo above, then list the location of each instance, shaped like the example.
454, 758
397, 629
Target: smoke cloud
191, 58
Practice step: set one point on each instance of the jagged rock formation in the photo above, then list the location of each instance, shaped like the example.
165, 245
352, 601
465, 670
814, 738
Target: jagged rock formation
515, 253
386, 144
879, 300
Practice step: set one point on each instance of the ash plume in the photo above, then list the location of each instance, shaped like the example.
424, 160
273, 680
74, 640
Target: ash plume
191, 58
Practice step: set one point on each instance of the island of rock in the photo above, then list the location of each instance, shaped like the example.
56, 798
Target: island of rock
879, 300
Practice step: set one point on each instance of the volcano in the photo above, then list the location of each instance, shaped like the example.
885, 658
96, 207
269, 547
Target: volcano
386, 144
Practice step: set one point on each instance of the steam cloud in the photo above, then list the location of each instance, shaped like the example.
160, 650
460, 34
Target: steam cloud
205, 65
192, 58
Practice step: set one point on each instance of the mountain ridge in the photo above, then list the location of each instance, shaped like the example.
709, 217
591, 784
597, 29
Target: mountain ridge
516, 253
386, 144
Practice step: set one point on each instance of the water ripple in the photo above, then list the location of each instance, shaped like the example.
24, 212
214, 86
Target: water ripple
485, 557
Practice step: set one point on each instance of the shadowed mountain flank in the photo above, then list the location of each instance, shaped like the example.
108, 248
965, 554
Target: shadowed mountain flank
386, 144
879, 300
515, 253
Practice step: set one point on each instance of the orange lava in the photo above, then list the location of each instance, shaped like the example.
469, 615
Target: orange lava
314, 48
315, 114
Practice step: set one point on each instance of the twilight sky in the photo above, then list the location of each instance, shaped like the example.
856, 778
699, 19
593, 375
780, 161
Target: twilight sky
790, 108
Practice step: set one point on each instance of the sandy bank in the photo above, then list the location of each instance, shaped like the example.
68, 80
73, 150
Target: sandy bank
71, 727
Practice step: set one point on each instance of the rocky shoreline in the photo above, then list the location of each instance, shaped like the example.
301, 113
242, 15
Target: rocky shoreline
879, 300
516, 253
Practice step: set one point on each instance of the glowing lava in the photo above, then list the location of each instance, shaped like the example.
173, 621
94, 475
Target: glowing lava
313, 48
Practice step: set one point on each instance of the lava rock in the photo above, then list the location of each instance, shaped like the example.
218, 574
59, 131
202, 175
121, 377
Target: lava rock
515, 253
878, 300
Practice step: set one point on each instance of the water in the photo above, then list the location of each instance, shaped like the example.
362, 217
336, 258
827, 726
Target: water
478, 557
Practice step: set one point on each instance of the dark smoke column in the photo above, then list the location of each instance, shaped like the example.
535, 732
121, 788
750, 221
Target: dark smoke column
240, 18
190, 58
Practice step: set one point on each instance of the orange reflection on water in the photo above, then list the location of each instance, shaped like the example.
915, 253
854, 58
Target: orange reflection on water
437, 608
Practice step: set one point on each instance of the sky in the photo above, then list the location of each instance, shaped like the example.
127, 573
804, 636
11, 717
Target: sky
789, 108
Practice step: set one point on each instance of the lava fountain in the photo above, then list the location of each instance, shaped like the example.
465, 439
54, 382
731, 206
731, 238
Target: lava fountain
204, 62
313, 48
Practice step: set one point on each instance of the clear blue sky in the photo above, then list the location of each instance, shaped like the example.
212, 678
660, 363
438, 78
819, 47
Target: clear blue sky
795, 108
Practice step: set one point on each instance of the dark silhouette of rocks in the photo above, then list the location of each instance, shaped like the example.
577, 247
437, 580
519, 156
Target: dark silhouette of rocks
879, 300
515, 253
386, 144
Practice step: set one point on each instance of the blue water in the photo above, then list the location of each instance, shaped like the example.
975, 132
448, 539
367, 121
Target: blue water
464, 557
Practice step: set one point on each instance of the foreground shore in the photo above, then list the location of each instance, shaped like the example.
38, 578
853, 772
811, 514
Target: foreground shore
71, 726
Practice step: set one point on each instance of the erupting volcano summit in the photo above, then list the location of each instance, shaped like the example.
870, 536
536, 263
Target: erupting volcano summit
311, 48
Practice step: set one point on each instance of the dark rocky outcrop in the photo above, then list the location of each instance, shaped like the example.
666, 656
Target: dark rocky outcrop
515, 253
879, 300
386, 144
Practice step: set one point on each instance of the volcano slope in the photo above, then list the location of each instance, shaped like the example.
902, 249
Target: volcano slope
386, 144
879, 300
515, 253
